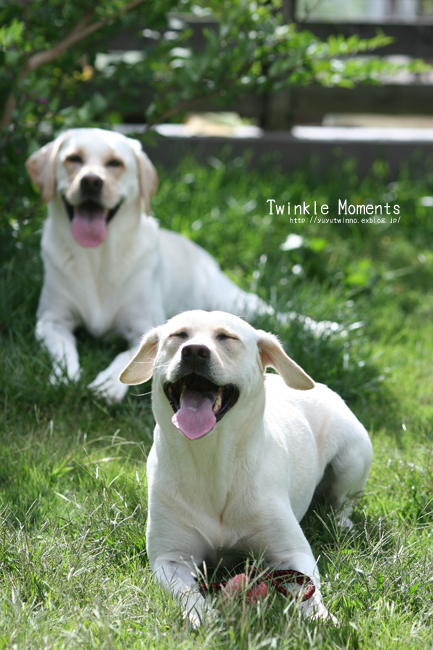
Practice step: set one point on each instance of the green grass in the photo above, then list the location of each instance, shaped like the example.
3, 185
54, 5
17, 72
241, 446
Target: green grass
73, 566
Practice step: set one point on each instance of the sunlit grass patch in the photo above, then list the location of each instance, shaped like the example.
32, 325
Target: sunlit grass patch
73, 498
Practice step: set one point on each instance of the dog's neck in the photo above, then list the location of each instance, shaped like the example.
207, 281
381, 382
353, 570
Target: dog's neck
112, 254
214, 467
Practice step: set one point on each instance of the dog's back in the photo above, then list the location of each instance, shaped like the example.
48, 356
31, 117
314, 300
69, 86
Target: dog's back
319, 433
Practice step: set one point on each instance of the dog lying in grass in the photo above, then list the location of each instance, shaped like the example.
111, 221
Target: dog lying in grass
107, 264
238, 454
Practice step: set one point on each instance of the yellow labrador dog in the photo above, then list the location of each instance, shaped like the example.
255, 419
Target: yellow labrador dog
238, 454
107, 265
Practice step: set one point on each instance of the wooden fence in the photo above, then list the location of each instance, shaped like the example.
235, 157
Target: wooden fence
413, 96
307, 105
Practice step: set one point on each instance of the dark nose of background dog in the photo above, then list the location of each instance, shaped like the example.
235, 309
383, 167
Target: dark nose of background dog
194, 355
91, 184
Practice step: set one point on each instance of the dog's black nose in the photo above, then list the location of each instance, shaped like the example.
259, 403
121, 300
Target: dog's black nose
195, 351
91, 183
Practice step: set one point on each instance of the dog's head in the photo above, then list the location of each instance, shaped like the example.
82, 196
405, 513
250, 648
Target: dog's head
94, 172
204, 365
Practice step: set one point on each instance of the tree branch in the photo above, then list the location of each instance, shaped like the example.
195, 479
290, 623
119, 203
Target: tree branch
186, 104
81, 30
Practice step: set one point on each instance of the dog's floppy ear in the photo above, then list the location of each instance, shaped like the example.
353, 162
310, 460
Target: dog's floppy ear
147, 174
272, 355
140, 369
41, 167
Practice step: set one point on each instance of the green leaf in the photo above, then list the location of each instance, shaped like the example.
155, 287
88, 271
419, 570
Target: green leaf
11, 34
317, 244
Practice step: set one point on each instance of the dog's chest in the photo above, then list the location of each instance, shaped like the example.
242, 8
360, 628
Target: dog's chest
98, 286
87, 287
97, 302
224, 518
99, 317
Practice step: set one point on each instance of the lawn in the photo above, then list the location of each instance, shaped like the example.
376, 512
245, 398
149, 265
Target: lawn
73, 566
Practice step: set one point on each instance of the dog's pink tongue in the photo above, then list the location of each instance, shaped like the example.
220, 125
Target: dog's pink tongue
89, 225
195, 417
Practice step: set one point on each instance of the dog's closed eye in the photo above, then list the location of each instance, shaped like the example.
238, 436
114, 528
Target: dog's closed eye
179, 335
114, 163
74, 159
226, 336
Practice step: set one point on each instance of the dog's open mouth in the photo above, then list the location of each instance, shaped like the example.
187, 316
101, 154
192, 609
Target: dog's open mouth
89, 221
198, 404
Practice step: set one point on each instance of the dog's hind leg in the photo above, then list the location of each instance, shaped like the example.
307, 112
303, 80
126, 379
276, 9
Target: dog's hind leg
346, 475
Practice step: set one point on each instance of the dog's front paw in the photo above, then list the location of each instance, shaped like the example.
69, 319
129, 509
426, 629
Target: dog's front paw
315, 610
59, 375
196, 609
320, 613
108, 387
197, 618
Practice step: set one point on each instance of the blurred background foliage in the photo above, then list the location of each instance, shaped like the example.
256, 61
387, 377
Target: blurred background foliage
58, 70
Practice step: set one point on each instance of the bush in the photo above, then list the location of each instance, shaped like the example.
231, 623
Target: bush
49, 80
